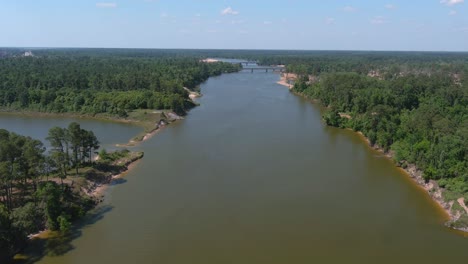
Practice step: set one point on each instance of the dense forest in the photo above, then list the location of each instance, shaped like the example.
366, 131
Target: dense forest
94, 81
414, 106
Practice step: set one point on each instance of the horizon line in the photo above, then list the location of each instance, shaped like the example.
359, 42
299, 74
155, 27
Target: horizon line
241, 49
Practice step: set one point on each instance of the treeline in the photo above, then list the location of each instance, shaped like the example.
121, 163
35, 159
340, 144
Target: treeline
92, 82
33, 195
362, 62
421, 117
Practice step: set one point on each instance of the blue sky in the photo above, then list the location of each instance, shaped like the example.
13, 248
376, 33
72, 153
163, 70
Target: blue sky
440, 25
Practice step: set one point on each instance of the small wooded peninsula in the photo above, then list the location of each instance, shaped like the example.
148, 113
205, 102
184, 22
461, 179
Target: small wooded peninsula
51, 189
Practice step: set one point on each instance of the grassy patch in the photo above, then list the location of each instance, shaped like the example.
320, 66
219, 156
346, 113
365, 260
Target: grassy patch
457, 207
454, 188
147, 118
460, 223
449, 195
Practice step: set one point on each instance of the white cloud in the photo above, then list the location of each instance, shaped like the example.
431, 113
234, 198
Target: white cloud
349, 9
378, 20
329, 21
267, 22
390, 6
452, 12
106, 5
451, 2
229, 11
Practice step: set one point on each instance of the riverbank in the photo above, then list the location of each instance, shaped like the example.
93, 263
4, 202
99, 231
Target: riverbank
122, 165
287, 79
192, 94
165, 118
454, 209
431, 187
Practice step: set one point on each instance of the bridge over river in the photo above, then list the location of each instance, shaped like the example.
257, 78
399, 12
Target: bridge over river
265, 68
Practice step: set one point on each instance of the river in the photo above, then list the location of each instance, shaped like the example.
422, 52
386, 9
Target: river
252, 175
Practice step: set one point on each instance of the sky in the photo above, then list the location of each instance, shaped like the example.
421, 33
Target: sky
422, 25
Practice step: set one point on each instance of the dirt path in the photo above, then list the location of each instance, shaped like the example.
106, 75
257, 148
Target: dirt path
461, 201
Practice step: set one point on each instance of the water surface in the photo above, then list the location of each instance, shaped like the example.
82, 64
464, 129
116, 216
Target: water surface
253, 176
109, 133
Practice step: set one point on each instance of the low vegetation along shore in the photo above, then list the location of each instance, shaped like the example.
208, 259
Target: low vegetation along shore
421, 130
49, 191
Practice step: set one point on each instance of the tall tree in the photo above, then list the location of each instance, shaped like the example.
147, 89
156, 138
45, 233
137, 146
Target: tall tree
58, 138
76, 139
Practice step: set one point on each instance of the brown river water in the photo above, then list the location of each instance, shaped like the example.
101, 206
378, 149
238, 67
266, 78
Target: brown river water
253, 176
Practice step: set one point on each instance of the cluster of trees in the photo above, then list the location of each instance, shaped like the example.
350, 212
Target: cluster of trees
422, 117
31, 197
94, 81
72, 147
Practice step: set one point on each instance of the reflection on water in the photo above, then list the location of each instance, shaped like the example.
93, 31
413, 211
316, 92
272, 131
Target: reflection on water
253, 176
54, 244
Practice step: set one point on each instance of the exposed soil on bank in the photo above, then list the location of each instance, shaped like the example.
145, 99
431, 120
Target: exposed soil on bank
96, 190
430, 187
287, 79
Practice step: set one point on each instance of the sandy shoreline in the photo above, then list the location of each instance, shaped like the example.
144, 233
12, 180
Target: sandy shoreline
287, 79
416, 175
431, 188
210, 60
192, 94
99, 192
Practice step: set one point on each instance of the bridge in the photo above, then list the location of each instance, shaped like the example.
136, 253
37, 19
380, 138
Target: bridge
265, 68
246, 63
